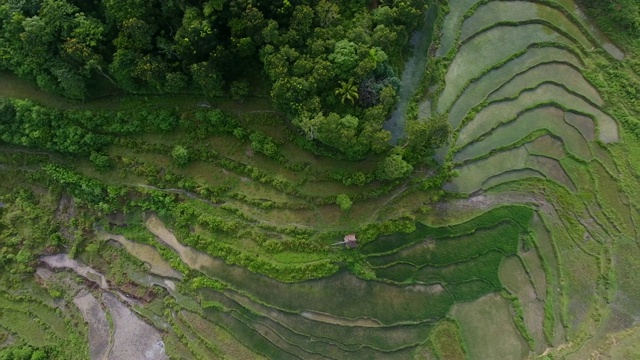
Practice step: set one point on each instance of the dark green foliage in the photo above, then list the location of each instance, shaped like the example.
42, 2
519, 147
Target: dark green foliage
502, 238
28, 124
471, 290
357, 178
51, 42
424, 136
306, 51
79, 186
208, 79
163, 120
520, 215
264, 144
170, 48
82, 132
343, 65
399, 272
344, 58
347, 91
239, 90
100, 161
210, 122
374, 88
393, 167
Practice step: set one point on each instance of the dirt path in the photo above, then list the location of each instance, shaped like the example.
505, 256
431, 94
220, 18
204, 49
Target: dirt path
63, 261
193, 258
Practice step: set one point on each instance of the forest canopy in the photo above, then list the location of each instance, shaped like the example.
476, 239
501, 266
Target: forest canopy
331, 65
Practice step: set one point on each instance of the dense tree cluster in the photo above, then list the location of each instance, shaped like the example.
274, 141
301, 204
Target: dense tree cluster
22, 122
329, 62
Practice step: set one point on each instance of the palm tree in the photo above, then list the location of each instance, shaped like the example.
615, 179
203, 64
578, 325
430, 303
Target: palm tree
348, 90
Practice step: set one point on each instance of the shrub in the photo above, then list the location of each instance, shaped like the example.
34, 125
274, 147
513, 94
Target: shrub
180, 154
100, 161
393, 167
264, 144
344, 202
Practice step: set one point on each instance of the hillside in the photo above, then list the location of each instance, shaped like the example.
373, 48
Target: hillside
179, 179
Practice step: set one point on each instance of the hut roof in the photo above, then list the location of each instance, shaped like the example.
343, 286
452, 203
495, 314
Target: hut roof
350, 241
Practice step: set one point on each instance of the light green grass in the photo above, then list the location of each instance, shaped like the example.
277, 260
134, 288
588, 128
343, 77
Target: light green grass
609, 193
505, 41
446, 341
487, 329
552, 169
546, 145
478, 90
553, 322
520, 11
509, 176
474, 174
23, 325
452, 22
517, 282
498, 113
558, 73
446, 251
549, 119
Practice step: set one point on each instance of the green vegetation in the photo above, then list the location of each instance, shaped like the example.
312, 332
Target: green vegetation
75, 49
446, 341
180, 154
344, 202
188, 171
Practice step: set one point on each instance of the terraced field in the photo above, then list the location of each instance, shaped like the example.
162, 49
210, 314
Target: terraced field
530, 250
18, 317
530, 122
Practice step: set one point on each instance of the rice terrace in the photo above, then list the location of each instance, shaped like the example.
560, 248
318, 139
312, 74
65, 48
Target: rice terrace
319, 179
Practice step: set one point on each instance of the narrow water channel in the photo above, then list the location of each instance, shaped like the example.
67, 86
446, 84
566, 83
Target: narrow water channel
412, 74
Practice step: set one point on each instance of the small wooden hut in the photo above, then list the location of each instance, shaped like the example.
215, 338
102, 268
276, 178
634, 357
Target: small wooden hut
350, 241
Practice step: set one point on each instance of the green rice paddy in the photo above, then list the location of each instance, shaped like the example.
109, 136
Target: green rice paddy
529, 251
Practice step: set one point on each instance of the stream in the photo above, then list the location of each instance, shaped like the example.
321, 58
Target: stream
412, 74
